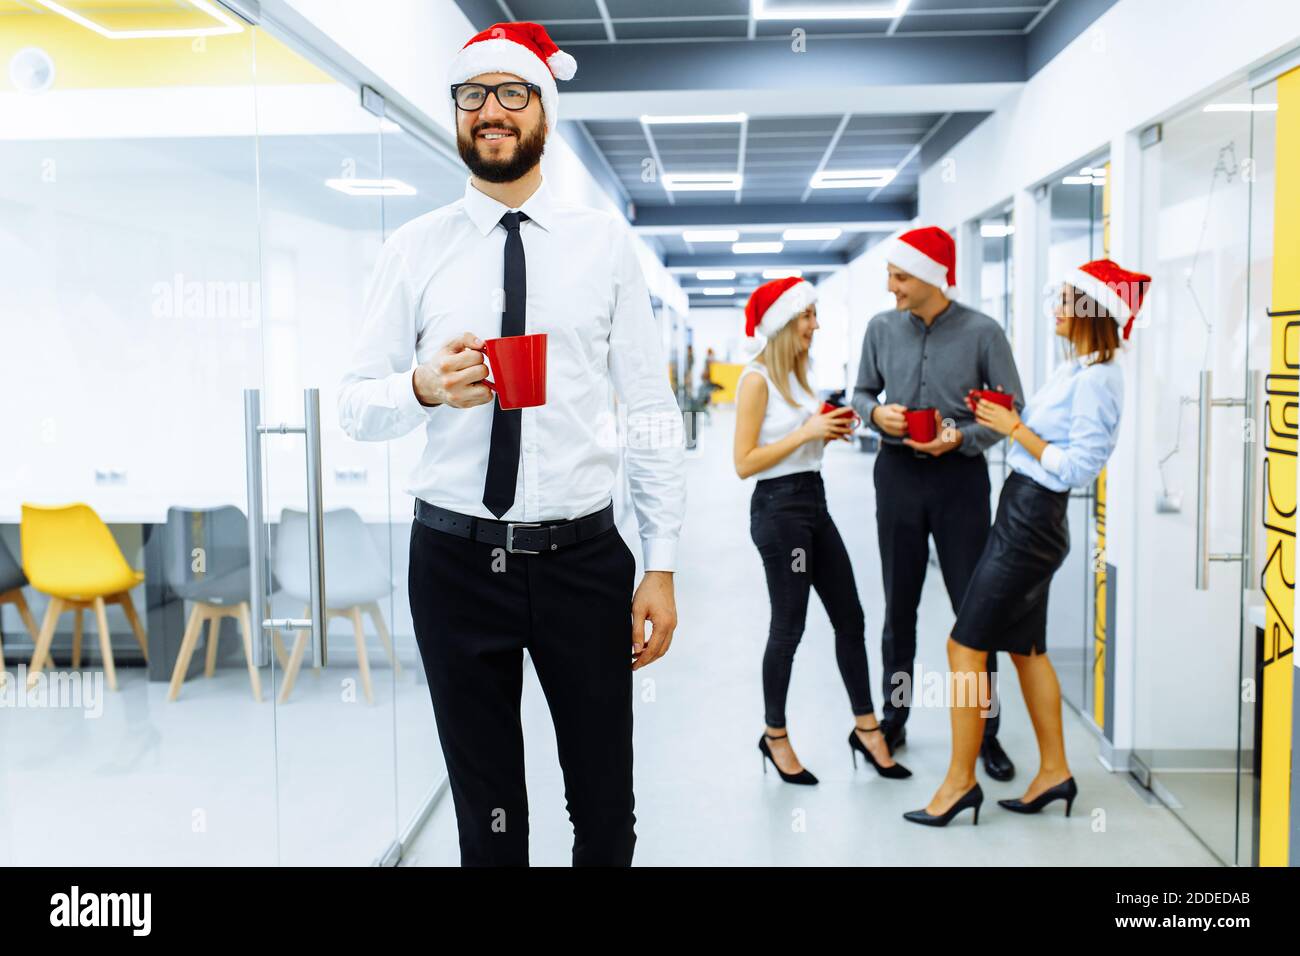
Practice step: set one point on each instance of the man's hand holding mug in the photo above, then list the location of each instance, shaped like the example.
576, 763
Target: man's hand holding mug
454, 375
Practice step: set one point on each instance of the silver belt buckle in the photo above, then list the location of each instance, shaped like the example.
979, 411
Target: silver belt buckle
510, 536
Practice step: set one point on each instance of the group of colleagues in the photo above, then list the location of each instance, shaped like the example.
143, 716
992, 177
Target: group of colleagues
931, 355
514, 546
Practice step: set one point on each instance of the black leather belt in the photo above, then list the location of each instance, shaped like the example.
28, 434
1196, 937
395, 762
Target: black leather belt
517, 537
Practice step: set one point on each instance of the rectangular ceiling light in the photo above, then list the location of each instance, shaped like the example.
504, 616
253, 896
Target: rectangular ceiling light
852, 178
782, 273
710, 235
701, 182
996, 230
794, 235
748, 248
723, 274
371, 187
1083, 180
1241, 108
881, 10
224, 23
720, 291
695, 118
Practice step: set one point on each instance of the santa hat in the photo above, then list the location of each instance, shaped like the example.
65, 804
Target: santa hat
1118, 291
775, 303
524, 49
929, 254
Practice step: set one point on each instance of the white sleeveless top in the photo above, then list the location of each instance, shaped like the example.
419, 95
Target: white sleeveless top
781, 419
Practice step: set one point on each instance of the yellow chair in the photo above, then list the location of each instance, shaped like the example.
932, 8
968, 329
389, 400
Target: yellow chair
70, 555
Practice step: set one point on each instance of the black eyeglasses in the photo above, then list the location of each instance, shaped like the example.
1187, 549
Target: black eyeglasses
513, 95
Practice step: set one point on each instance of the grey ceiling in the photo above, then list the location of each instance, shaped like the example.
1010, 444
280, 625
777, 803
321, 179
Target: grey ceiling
575, 22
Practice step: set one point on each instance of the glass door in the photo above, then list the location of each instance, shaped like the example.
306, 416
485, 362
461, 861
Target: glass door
1200, 351
418, 179
1076, 212
130, 315
321, 501
996, 284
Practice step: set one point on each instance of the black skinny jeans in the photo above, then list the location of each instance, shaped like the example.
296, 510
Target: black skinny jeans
802, 549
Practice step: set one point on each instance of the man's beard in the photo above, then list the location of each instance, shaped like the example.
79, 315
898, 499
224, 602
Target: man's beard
527, 154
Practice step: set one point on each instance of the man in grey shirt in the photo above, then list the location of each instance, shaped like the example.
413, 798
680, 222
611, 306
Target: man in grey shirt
929, 353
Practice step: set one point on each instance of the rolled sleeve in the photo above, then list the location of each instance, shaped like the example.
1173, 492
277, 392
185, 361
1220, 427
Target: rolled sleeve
377, 398
654, 452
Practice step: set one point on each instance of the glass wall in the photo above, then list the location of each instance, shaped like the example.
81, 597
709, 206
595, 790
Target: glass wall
188, 224
1202, 342
1075, 211
996, 290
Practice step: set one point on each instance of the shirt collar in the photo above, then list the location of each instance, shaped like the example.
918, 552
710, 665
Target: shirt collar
486, 212
946, 313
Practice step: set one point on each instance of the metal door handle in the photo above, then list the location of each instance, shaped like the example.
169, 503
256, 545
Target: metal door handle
258, 571
1206, 403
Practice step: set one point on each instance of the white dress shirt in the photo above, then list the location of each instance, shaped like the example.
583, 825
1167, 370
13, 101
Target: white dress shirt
441, 275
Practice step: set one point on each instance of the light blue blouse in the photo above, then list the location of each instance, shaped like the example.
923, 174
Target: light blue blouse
1077, 413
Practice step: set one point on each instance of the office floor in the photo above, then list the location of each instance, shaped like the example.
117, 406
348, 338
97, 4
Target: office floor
702, 797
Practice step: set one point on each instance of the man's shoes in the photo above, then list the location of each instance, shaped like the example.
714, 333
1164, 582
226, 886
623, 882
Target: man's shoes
895, 736
996, 762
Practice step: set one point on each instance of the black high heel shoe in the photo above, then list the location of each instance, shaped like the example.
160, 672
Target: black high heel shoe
802, 777
971, 798
856, 746
1066, 790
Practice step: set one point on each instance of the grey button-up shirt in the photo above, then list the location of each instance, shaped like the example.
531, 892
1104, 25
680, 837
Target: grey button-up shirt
924, 366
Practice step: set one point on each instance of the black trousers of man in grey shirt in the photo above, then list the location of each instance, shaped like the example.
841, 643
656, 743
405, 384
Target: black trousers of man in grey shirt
920, 495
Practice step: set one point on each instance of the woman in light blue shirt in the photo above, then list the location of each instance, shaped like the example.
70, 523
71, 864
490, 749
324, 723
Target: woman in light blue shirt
1062, 440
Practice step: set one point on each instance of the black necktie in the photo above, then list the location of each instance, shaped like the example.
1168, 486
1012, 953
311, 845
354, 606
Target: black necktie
503, 455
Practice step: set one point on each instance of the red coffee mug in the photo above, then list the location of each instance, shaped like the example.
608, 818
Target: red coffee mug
828, 407
921, 425
519, 364
1004, 399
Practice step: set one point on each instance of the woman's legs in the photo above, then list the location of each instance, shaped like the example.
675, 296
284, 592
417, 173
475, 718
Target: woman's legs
966, 668
1042, 693
832, 576
784, 541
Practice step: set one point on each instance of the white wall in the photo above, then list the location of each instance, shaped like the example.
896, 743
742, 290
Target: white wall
1141, 61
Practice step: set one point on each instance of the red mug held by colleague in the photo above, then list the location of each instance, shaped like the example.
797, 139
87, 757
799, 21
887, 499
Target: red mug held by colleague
831, 406
1005, 399
518, 363
922, 424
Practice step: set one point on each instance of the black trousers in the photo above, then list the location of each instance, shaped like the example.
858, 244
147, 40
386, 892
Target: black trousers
475, 609
916, 497
802, 549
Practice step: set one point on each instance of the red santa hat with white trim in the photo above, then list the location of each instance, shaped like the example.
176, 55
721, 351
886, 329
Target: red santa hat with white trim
1116, 289
524, 49
929, 254
774, 304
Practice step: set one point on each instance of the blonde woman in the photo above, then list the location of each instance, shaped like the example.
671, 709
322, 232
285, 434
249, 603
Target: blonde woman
780, 435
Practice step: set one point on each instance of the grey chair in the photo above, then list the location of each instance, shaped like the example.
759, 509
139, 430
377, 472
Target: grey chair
207, 563
12, 582
356, 577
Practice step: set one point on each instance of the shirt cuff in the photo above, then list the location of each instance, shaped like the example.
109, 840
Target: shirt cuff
1052, 459
405, 401
660, 554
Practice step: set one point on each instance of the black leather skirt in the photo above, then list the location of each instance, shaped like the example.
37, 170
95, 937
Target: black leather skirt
1005, 606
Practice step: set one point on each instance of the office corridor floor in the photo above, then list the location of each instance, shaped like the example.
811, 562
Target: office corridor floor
701, 794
